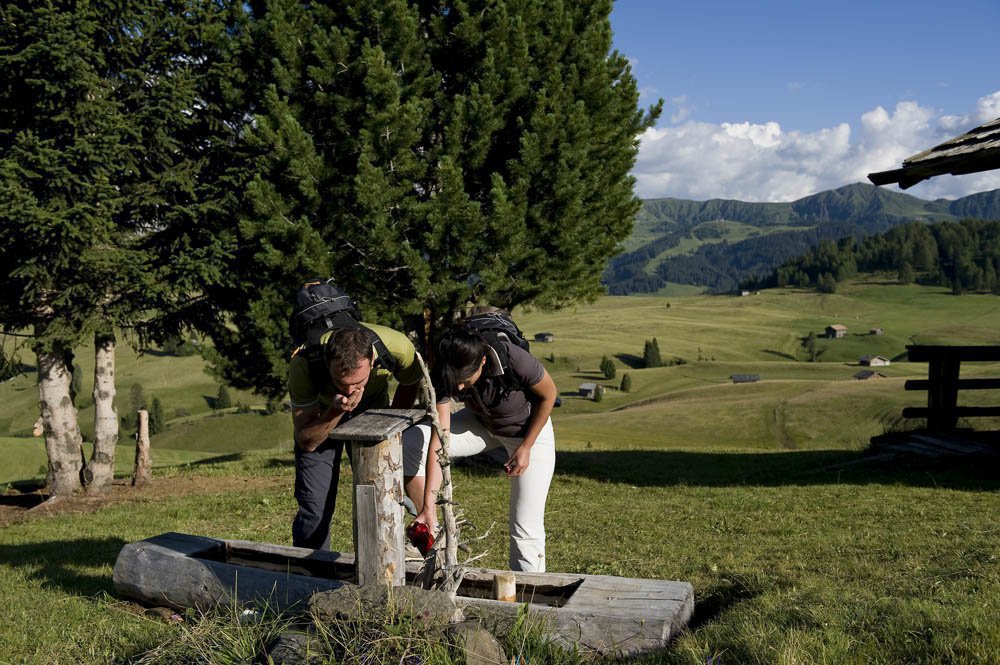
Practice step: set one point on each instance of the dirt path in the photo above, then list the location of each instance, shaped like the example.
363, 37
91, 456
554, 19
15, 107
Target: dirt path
17, 507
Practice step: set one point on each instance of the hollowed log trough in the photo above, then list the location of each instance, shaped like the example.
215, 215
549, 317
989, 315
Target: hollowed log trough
596, 613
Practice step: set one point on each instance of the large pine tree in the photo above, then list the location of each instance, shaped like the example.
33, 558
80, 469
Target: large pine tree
428, 157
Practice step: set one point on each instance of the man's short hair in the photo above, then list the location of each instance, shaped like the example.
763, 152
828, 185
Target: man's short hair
346, 349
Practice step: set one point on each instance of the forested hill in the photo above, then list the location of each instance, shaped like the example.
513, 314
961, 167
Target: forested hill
720, 243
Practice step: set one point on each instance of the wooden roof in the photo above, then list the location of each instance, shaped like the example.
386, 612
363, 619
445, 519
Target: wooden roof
976, 150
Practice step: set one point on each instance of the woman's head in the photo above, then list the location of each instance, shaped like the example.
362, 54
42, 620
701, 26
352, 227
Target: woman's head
461, 355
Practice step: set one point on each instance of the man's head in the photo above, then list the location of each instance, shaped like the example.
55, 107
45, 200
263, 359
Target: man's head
349, 356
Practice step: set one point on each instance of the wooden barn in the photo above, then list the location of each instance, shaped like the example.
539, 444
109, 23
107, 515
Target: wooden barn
744, 378
866, 374
836, 331
545, 337
874, 361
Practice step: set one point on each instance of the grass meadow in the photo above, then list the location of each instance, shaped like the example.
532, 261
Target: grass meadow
747, 491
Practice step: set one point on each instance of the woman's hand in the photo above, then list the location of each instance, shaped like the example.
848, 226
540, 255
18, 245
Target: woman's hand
428, 517
517, 464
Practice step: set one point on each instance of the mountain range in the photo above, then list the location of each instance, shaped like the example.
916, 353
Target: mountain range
719, 243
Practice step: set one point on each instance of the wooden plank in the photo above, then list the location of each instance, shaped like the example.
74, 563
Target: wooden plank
926, 353
963, 384
959, 411
366, 538
377, 425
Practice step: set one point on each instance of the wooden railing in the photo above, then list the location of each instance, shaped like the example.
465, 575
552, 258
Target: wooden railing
943, 383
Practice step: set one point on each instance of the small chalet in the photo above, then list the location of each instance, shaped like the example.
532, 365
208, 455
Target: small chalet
874, 361
544, 337
866, 374
836, 331
588, 390
876, 331
744, 378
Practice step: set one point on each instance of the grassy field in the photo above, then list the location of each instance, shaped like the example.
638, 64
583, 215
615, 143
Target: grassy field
688, 477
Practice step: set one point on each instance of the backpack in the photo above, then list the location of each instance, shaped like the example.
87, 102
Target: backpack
321, 306
494, 328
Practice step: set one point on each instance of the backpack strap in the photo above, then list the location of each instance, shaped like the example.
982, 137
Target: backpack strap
313, 352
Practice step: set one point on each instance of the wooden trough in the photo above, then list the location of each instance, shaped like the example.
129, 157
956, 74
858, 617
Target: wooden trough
597, 613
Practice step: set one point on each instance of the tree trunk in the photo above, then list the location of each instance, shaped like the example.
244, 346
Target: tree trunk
63, 443
101, 469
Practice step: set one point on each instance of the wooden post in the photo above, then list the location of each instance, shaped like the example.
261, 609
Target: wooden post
504, 587
377, 461
143, 472
942, 397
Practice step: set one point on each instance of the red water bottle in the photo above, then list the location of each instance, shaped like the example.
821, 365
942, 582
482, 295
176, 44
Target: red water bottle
421, 537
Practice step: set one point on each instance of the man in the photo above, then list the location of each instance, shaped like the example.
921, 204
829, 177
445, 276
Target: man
352, 383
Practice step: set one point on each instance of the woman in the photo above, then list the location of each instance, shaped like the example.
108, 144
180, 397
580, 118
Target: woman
508, 408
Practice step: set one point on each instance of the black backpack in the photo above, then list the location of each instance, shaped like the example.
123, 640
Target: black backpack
494, 328
321, 306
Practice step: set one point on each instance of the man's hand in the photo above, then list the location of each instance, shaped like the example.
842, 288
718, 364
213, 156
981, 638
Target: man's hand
347, 403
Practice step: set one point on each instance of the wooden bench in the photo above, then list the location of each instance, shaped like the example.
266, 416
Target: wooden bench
943, 383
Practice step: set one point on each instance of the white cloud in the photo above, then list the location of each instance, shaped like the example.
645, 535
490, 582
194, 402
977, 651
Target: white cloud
763, 162
683, 111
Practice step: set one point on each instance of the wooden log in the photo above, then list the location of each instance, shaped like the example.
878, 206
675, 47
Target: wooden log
958, 412
143, 471
963, 384
929, 353
504, 587
377, 460
595, 614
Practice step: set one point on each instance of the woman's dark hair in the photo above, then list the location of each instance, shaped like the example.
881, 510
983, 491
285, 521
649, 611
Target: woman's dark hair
346, 349
459, 354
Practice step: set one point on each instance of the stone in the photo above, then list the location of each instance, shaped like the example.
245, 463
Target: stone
476, 644
294, 648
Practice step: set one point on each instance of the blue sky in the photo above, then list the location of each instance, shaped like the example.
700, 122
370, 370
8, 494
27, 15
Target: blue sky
772, 101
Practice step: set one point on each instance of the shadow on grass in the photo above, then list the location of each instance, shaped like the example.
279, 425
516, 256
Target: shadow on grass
656, 468
629, 360
57, 563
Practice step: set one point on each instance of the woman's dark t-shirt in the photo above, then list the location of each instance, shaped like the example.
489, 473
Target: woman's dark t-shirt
504, 403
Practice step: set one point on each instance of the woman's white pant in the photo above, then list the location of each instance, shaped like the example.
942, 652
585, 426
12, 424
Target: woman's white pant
527, 491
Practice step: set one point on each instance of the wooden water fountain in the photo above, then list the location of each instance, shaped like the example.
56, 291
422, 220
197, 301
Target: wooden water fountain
597, 613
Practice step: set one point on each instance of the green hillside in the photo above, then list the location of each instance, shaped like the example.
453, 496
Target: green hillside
693, 405
719, 243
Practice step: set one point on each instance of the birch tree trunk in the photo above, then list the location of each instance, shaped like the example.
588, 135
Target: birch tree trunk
101, 468
63, 443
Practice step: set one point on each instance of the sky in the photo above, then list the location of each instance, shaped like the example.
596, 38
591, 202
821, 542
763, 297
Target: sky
777, 100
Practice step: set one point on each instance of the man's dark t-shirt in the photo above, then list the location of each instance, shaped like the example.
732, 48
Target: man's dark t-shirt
504, 404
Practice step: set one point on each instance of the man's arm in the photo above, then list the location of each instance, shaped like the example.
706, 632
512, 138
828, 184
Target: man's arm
312, 424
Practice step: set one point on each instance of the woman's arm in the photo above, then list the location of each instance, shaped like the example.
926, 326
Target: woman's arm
546, 391
432, 469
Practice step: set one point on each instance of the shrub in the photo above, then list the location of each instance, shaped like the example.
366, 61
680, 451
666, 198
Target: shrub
608, 368
157, 423
223, 399
626, 385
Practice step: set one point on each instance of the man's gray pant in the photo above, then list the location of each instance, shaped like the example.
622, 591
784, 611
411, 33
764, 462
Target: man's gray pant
317, 475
